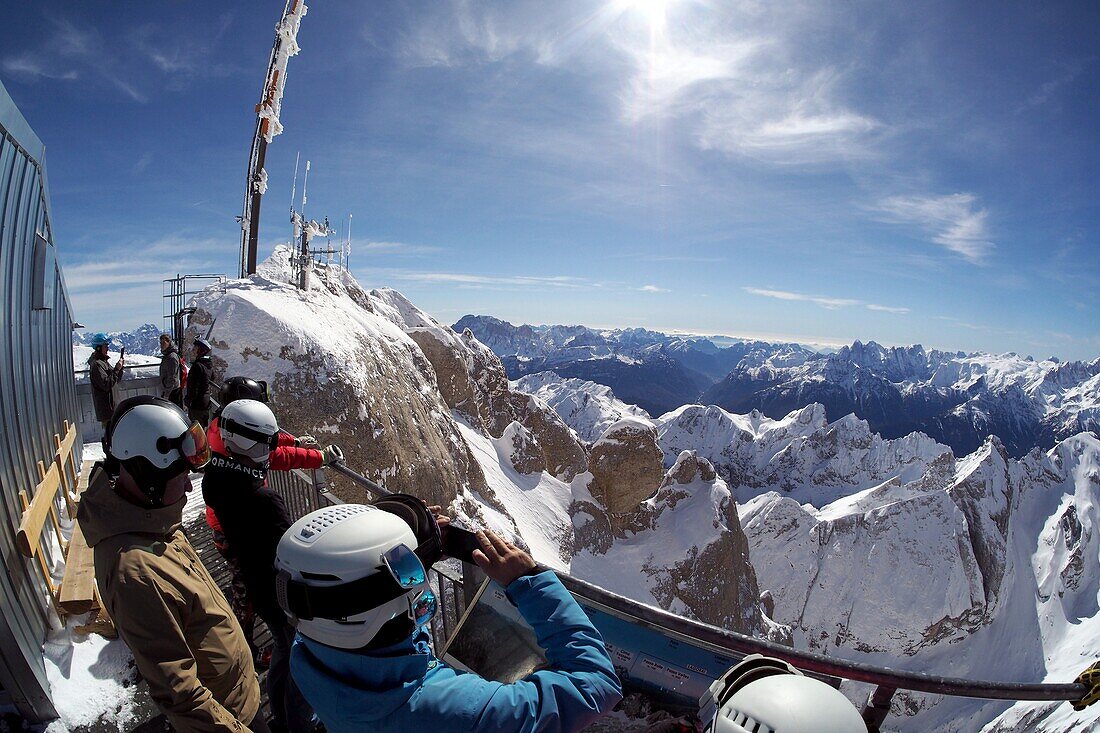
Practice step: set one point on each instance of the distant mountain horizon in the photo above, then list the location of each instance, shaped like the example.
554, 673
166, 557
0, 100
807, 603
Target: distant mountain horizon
958, 398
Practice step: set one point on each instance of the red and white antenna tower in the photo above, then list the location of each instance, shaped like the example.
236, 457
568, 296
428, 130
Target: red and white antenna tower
267, 127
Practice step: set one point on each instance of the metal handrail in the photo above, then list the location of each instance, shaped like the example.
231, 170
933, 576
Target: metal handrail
730, 641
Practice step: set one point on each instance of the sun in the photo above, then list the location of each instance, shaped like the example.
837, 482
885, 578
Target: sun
653, 11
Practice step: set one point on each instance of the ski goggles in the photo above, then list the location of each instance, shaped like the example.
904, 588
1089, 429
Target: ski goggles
423, 608
401, 572
266, 439
191, 444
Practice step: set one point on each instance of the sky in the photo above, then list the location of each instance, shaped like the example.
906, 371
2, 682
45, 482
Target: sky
904, 172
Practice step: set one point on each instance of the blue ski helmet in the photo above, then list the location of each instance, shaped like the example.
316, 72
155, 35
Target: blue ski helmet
100, 339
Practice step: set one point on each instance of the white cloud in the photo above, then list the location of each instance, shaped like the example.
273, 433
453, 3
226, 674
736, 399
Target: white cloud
955, 221
830, 303
824, 302
394, 248
460, 278
887, 309
653, 289
27, 66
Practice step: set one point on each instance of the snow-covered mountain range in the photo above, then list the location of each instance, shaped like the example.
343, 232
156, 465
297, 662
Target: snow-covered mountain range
806, 528
959, 399
141, 340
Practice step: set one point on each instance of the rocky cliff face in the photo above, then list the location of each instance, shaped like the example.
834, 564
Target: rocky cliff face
472, 382
684, 541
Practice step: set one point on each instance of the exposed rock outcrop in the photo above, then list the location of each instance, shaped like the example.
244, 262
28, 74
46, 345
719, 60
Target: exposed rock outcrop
626, 469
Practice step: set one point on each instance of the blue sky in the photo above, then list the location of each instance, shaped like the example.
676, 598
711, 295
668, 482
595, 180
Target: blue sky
818, 171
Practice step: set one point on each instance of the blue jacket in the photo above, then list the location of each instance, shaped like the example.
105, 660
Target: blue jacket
405, 688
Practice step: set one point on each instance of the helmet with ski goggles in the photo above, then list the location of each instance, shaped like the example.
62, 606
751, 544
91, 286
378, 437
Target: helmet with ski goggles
100, 339
763, 693
244, 388
248, 428
155, 442
346, 571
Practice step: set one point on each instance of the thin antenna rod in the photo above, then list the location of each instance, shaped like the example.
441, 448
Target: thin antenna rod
294, 186
305, 183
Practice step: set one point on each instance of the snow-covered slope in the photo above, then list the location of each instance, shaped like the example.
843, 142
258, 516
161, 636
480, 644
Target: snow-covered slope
587, 407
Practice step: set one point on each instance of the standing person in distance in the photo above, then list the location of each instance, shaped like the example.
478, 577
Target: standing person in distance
354, 578
103, 377
253, 518
197, 398
186, 642
169, 370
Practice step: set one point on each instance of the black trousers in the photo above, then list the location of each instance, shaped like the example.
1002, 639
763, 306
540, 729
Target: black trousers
288, 708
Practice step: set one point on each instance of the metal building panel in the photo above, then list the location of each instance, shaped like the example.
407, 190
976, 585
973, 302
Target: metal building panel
37, 394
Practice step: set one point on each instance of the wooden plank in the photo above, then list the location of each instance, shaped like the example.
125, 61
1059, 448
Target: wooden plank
78, 588
85, 472
34, 518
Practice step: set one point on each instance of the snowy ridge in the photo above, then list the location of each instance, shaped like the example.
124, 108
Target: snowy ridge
587, 407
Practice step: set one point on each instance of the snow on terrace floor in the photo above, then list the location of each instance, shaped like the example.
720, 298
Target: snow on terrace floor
94, 684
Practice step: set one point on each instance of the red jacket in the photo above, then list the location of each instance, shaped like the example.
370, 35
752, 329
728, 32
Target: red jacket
285, 457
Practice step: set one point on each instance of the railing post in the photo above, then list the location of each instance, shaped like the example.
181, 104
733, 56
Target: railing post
877, 707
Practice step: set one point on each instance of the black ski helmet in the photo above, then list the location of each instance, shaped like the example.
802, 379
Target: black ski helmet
243, 388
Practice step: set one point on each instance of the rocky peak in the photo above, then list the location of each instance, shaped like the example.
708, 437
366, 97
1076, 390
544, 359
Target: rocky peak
626, 467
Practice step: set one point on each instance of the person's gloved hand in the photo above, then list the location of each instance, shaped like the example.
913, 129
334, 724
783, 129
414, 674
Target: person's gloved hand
1090, 678
306, 441
331, 454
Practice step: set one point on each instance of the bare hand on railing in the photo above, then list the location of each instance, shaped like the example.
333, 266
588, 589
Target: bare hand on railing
500, 559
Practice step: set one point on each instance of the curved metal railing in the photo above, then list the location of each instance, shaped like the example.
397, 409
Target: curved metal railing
887, 681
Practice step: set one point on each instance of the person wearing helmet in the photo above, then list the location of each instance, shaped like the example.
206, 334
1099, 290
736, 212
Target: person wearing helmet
185, 640
353, 578
290, 453
103, 377
252, 519
763, 693
197, 396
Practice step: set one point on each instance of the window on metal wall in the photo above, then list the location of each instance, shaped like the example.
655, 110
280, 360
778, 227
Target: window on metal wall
45, 273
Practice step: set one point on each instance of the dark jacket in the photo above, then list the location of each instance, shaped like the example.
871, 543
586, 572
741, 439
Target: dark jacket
169, 371
198, 384
185, 639
253, 519
104, 377
407, 689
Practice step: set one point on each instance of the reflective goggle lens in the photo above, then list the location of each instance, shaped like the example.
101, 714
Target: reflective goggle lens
423, 608
197, 449
405, 567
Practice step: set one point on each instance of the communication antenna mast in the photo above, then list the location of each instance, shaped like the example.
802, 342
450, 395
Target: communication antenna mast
267, 127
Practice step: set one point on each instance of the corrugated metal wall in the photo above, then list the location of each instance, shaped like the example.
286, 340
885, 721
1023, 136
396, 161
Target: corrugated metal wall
37, 393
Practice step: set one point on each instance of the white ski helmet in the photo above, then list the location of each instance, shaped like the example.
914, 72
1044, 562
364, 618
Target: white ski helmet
765, 694
155, 442
345, 571
248, 428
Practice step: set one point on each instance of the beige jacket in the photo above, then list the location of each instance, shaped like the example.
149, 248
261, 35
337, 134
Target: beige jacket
185, 639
